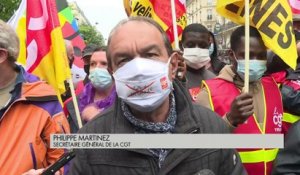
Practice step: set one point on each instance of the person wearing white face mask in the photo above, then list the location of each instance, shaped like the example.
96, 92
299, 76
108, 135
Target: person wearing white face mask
260, 111
151, 100
195, 45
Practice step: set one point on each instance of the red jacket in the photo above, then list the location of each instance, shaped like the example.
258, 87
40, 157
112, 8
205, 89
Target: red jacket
222, 93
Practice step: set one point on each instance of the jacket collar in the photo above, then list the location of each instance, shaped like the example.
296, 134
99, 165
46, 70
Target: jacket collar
186, 121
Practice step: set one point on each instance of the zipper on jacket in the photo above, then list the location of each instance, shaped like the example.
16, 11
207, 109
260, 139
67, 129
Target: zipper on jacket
154, 165
10, 107
193, 131
33, 156
62, 127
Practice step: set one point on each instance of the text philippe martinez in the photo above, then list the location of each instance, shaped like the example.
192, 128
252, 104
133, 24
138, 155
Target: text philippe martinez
85, 141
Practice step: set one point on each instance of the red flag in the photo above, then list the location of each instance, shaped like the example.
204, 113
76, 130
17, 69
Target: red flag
46, 53
160, 11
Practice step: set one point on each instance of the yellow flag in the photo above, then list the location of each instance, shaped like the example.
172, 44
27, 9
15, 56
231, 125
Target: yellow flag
18, 22
272, 18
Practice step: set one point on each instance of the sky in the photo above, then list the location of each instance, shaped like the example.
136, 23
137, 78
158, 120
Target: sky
104, 14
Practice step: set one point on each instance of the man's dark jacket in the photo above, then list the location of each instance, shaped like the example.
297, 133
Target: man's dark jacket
288, 159
190, 119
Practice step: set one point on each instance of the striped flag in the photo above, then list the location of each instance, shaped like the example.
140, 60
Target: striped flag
70, 29
70, 32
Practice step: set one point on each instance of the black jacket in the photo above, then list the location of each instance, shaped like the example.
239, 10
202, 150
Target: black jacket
291, 96
288, 159
195, 77
190, 119
72, 119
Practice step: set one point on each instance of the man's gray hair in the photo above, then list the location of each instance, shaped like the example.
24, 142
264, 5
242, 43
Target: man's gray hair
140, 19
9, 41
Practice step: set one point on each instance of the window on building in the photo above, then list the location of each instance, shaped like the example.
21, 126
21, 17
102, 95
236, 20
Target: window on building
209, 27
209, 2
209, 14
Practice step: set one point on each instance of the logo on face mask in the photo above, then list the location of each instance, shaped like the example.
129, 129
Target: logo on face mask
138, 90
164, 83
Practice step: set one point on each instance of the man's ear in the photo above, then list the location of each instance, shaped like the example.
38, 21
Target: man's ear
3, 55
231, 55
174, 64
180, 45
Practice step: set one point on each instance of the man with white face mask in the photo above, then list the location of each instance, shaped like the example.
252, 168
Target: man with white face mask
259, 111
195, 45
151, 101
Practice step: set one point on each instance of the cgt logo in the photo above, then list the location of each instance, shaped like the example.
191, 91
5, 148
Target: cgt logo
141, 90
164, 83
277, 119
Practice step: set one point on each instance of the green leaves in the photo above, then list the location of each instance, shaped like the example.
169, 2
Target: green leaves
91, 35
7, 8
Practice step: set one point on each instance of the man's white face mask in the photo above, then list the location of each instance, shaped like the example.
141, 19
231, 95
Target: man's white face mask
143, 83
196, 57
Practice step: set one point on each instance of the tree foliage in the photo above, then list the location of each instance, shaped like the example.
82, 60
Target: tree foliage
7, 8
91, 35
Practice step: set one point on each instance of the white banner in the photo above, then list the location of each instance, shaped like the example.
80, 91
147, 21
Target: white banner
169, 141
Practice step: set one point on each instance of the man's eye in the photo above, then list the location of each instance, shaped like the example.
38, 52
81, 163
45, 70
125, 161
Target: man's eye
151, 55
190, 45
123, 60
262, 57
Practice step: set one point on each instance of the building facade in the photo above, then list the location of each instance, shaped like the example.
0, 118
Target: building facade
78, 14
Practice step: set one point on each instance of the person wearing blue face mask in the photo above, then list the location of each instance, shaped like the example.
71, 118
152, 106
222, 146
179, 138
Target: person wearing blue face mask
86, 58
98, 94
260, 111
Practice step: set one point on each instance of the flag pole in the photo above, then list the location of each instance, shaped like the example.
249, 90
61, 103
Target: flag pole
247, 46
175, 32
70, 81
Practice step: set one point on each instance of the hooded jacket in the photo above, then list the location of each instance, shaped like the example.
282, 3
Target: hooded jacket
26, 125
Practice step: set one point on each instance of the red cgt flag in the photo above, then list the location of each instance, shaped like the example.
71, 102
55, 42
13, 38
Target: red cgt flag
46, 53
